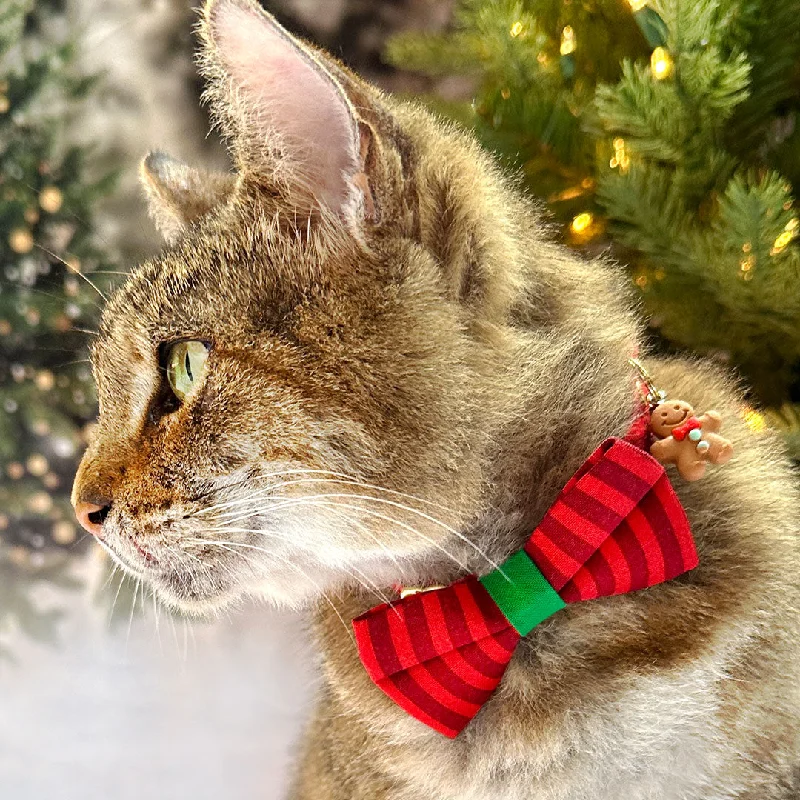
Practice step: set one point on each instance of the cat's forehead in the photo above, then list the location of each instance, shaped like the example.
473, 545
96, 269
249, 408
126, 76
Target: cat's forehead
209, 281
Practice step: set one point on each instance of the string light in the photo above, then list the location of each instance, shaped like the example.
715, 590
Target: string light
516, 29
40, 502
37, 465
15, 470
71, 286
781, 243
505, 93
50, 199
661, 63
18, 556
754, 420
41, 427
21, 240
621, 158
569, 193
64, 532
62, 323
783, 240
568, 43
650, 23
45, 380
73, 263
746, 267
582, 222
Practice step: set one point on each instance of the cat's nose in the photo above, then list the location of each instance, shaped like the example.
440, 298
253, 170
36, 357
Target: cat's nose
92, 515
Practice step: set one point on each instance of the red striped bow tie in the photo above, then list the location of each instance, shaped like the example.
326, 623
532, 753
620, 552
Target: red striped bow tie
616, 527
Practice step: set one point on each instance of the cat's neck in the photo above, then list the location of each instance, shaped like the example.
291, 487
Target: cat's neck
537, 450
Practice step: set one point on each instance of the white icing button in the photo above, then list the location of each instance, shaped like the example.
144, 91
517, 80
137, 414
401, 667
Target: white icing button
695, 435
703, 447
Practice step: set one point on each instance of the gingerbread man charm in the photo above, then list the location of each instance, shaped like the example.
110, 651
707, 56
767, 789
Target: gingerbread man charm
687, 441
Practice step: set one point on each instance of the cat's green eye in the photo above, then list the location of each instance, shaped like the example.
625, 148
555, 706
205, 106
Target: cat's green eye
185, 364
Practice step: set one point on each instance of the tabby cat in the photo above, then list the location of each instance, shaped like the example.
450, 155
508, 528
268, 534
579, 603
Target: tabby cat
361, 363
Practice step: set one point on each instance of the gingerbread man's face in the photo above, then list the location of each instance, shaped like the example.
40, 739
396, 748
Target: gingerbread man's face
668, 415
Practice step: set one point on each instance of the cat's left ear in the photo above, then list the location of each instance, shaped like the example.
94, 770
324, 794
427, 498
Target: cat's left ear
286, 111
178, 194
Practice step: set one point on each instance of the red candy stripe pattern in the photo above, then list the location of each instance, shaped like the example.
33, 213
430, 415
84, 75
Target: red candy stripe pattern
617, 526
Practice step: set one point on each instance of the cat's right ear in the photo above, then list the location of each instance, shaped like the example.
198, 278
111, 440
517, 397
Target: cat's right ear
178, 194
292, 125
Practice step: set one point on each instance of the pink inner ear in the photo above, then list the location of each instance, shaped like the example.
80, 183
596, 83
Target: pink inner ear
287, 96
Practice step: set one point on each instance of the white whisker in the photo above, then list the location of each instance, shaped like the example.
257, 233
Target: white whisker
116, 597
282, 503
171, 619
339, 477
156, 619
360, 509
130, 617
295, 567
71, 269
107, 582
370, 585
365, 529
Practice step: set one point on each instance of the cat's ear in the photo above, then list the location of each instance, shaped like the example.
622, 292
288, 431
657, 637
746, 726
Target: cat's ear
288, 118
178, 194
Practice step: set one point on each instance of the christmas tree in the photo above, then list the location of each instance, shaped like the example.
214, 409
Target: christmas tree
48, 292
664, 133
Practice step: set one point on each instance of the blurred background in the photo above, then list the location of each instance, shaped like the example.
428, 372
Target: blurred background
661, 133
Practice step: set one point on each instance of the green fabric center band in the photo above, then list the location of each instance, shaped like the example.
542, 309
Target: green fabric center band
522, 593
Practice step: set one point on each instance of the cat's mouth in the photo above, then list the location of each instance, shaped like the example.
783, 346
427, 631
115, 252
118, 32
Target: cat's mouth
128, 553
122, 561
178, 588
183, 583
149, 558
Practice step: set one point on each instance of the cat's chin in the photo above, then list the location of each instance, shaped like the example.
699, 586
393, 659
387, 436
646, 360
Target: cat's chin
281, 593
196, 605
191, 597
213, 605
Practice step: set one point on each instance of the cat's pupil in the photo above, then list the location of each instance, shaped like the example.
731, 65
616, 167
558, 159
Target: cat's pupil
188, 366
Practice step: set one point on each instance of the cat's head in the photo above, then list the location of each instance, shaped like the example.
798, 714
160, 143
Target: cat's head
298, 392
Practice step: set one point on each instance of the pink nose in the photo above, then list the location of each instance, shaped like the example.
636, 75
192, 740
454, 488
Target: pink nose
91, 516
